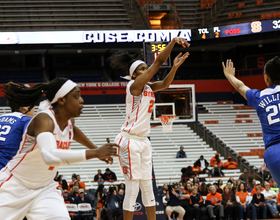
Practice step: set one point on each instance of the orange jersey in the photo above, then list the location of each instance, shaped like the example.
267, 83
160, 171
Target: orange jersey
214, 161
242, 196
213, 199
196, 170
82, 185
230, 165
278, 198
254, 191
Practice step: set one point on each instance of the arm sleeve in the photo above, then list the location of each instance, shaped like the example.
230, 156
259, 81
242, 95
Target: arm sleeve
57, 157
179, 195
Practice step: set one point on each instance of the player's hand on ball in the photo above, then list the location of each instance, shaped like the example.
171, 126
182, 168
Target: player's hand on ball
107, 150
180, 59
181, 41
228, 68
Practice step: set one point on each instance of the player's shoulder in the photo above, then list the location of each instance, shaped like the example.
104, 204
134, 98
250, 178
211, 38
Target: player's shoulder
270, 91
13, 114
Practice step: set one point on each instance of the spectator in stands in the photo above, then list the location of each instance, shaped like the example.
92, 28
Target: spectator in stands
243, 177
230, 164
82, 184
108, 140
196, 169
220, 186
216, 160
181, 153
196, 203
75, 190
242, 201
278, 201
99, 195
195, 180
62, 183
274, 187
216, 171
163, 190
114, 204
187, 173
173, 203
82, 198
99, 177
257, 183
202, 162
203, 189
109, 175
214, 203
218, 189
67, 199
229, 203
74, 179
258, 203
270, 200
122, 186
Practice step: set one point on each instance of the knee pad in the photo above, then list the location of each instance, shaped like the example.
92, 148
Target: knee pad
131, 193
148, 197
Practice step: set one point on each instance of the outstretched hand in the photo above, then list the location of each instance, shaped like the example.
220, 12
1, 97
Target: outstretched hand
229, 69
182, 41
180, 59
105, 152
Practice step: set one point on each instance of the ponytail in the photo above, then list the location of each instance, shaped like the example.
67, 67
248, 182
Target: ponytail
19, 95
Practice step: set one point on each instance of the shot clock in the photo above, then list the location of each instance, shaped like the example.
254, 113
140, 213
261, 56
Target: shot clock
152, 50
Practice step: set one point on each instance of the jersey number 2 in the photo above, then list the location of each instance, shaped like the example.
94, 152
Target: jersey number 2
274, 112
6, 129
152, 102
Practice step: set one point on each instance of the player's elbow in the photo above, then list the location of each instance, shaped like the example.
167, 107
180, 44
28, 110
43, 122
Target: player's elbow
50, 159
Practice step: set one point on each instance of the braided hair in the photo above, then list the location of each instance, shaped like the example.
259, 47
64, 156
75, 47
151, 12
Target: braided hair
19, 95
122, 60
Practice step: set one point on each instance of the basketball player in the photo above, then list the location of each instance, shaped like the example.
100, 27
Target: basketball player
135, 148
12, 126
267, 104
26, 183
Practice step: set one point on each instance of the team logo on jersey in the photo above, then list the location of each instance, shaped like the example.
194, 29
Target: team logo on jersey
63, 145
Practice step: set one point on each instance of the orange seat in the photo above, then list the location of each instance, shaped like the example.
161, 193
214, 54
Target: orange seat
249, 121
243, 116
278, 14
241, 5
274, 15
268, 16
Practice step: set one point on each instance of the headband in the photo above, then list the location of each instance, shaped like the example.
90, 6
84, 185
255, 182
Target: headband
132, 68
64, 90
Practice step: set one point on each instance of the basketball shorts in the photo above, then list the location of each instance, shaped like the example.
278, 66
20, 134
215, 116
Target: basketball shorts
272, 161
17, 201
135, 157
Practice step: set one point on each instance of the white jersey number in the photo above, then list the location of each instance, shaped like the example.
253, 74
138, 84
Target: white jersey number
6, 129
274, 112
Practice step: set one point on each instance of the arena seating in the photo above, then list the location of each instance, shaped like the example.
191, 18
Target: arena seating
238, 126
246, 10
99, 122
52, 15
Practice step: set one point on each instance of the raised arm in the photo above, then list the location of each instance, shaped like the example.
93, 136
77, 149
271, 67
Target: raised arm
229, 72
141, 80
165, 83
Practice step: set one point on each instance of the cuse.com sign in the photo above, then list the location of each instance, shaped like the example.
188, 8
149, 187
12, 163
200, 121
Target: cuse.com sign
118, 36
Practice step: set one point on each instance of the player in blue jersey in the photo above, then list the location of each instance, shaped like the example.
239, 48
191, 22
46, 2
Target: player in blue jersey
12, 126
267, 105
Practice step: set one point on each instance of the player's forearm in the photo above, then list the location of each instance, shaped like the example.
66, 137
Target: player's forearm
236, 83
162, 57
169, 78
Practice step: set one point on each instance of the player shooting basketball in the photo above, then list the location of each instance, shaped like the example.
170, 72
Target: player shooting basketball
135, 152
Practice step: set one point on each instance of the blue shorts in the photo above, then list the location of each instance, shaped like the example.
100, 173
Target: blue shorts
272, 160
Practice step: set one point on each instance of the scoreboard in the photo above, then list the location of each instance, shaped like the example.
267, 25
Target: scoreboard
232, 30
152, 50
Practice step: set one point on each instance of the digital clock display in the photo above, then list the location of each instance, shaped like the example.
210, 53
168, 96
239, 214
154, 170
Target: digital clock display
152, 50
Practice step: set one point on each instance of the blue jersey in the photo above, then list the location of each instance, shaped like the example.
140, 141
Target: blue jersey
267, 105
12, 127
